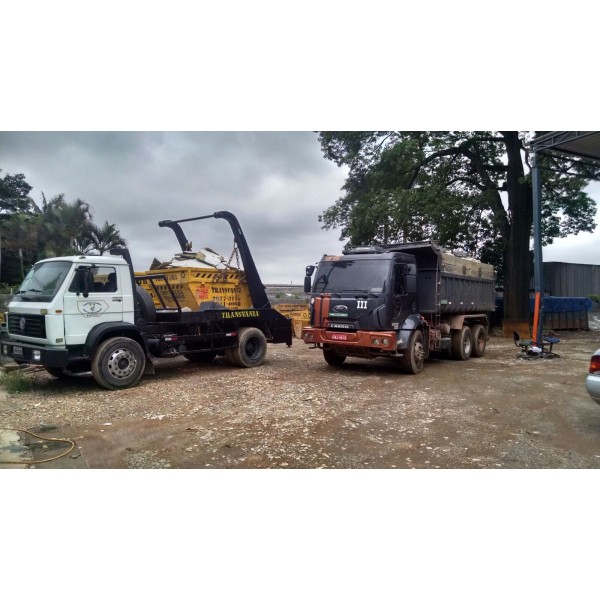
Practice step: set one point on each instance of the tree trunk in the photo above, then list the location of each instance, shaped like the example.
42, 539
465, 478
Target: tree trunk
517, 261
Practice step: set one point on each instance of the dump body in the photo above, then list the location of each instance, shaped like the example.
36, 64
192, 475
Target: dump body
192, 286
399, 301
448, 284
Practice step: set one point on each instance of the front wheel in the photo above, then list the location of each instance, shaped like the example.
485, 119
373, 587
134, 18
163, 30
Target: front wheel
414, 357
118, 363
251, 350
333, 358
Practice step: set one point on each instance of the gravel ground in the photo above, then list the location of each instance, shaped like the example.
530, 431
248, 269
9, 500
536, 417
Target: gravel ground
295, 411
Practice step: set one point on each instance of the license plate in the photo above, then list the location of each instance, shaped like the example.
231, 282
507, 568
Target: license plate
17, 351
342, 337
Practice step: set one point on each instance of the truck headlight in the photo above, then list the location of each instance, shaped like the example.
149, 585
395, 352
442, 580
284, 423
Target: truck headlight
36, 355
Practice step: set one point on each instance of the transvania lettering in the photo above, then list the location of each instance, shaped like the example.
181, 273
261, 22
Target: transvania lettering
239, 313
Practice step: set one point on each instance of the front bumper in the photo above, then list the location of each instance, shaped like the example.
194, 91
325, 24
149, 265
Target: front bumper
28, 353
376, 341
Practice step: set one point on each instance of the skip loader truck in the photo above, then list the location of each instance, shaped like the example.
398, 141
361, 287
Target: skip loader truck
76, 314
399, 301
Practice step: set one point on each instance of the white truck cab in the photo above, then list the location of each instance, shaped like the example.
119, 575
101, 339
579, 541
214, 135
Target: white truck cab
62, 299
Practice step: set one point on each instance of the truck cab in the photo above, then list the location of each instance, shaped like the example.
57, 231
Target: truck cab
62, 300
373, 292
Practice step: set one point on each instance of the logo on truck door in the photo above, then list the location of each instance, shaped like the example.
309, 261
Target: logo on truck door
92, 309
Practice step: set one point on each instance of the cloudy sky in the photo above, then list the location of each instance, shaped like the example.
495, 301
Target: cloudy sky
276, 183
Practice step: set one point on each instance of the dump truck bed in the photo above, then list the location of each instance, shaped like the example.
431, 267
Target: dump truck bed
450, 284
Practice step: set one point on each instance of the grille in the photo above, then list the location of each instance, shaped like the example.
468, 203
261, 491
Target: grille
35, 325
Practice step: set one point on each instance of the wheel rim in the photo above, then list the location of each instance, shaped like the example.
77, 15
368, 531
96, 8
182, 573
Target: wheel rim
419, 353
480, 342
253, 348
121, 363
467, 345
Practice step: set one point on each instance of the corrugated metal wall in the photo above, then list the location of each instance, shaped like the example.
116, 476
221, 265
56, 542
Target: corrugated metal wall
571, 280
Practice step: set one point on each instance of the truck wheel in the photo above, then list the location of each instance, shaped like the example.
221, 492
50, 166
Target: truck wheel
414, 357
251, 350
479, 340
118, 363
333, 358
200, 357
462, 343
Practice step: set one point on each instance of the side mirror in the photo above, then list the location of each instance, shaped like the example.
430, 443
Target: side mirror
310, 269
84, 281
307, 284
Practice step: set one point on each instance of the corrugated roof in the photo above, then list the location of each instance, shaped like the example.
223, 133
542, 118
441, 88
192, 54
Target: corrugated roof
585, 144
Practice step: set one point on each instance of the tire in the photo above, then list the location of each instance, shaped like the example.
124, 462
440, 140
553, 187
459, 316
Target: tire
200, 357
147, 308
118, 363
462, 343
251, 350
479, 336
414, 358
57, 372
333, 358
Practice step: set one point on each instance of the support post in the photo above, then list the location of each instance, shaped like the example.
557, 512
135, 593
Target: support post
538, 263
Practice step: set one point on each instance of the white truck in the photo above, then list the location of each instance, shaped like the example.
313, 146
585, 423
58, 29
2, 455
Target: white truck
77, 314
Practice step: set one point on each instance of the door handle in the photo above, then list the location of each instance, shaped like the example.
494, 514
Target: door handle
117, 299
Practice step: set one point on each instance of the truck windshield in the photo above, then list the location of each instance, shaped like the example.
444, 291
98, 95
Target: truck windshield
360, 276
43, 281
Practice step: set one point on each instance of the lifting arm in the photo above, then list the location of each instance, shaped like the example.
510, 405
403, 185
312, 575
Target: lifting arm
255, 285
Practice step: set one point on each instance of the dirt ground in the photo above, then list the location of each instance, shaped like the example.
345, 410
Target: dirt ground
295, 411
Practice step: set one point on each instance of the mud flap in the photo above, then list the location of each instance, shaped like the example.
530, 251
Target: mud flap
149, 369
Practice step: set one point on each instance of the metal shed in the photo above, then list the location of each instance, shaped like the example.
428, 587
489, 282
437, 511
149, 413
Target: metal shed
583, 145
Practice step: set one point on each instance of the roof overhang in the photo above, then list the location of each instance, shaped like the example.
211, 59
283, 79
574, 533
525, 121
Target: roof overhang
583, 144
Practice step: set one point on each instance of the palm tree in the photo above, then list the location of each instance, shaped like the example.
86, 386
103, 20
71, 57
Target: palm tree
101, 239
59, 224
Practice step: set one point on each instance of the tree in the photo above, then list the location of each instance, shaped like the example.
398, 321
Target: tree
99, 239
14, 194
30, 232
465, 190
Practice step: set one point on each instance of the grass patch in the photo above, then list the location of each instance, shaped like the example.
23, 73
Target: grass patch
16, 381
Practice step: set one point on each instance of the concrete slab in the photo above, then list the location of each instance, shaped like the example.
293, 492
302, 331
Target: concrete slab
13, 451
21, 451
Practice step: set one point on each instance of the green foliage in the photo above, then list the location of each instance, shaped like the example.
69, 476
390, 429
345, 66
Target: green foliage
16, 381
465, 190
30, 232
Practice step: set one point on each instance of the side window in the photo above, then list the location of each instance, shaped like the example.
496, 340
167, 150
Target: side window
104, 279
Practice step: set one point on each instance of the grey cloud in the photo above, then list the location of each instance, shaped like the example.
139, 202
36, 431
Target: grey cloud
276, 183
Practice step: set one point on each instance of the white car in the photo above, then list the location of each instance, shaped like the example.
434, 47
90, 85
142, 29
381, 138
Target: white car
592, 381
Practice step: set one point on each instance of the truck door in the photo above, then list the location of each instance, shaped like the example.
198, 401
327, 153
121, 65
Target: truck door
103, 304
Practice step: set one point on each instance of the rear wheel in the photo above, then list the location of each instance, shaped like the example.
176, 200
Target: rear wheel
118, 363
462, 343
251, 350
414, 357
333, 358
479, 340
